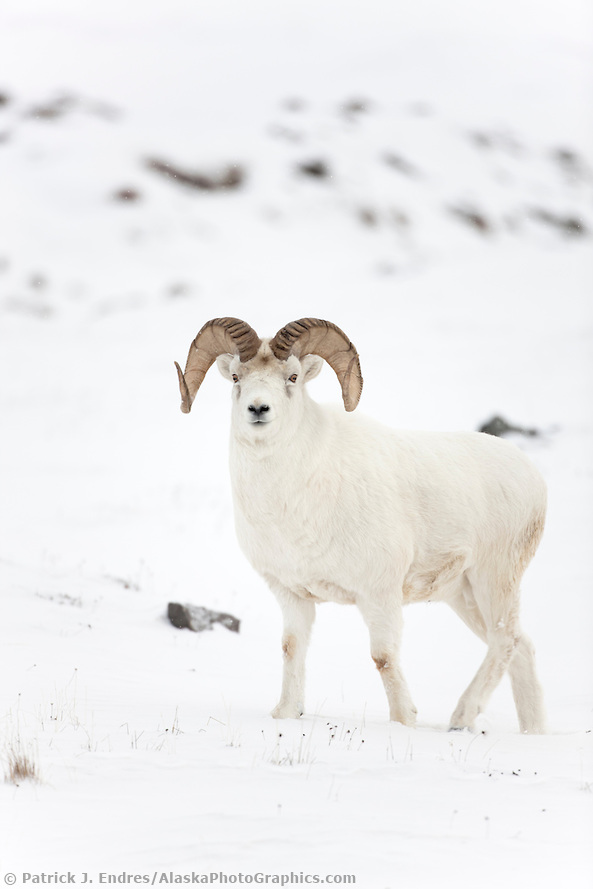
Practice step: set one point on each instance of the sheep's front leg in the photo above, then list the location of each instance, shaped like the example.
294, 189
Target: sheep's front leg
298, 616
384, 621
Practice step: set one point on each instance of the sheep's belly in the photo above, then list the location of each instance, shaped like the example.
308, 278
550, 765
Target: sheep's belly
435, 581
322, 591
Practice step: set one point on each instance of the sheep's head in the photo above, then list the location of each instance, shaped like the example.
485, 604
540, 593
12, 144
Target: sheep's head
269, 375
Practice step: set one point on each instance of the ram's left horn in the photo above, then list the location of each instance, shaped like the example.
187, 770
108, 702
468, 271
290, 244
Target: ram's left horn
312, 336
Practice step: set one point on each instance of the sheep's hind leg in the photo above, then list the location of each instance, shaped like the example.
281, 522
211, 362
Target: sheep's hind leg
501, 647
385, 626
527, 691
494, 617
298, 616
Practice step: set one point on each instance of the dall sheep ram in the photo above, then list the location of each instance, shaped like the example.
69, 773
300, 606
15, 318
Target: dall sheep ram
333, 507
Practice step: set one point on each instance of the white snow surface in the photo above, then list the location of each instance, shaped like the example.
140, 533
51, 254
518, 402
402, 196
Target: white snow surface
153, 746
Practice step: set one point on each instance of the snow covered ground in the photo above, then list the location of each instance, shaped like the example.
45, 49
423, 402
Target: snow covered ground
448, 231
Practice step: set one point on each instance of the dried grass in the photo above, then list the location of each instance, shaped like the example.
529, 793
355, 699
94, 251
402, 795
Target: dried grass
20, 766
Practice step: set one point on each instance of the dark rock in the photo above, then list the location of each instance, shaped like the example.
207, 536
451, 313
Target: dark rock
496, 140
353, 107
198, 618
568, 225
178, 289
400, 219
318, 169
399, 163
53, 110
368, 216
472, 217
571, 164
566, 157
127, 195
499, 426
482, 140
228, 178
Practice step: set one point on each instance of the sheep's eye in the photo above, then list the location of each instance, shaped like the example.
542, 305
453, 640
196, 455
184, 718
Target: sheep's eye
293, 378
235, 378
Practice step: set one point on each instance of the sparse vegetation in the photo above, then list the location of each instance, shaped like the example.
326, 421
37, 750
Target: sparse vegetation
299, 754
20, 764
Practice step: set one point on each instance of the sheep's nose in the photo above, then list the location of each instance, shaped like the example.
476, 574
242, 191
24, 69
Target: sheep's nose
258, 411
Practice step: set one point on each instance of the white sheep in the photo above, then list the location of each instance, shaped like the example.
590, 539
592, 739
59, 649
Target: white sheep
333, 507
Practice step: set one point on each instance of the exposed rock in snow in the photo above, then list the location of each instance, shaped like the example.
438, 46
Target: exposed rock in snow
198, 618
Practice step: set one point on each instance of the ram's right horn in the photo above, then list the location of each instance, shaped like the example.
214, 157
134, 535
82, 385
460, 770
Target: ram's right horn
217, 337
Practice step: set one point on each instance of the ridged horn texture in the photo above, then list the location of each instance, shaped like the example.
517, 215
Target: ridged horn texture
217, 337
311, 336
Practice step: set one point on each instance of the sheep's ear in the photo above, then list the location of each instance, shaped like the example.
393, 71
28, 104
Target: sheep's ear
223, 363
311, 365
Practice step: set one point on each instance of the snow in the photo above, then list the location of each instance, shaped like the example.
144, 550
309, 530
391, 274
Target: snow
155, 750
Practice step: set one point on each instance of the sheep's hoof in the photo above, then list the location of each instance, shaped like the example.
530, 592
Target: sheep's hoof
464, 717
282, 711
406, 717
533, 729
408, 722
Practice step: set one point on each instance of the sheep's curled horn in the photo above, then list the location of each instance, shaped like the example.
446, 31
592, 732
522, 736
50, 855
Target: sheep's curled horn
311, 336
308, 336
217, 337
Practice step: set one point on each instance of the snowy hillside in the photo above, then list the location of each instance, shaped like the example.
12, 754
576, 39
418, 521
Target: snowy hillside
422, 175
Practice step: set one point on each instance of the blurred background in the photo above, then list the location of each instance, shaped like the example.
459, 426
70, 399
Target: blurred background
207, 152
